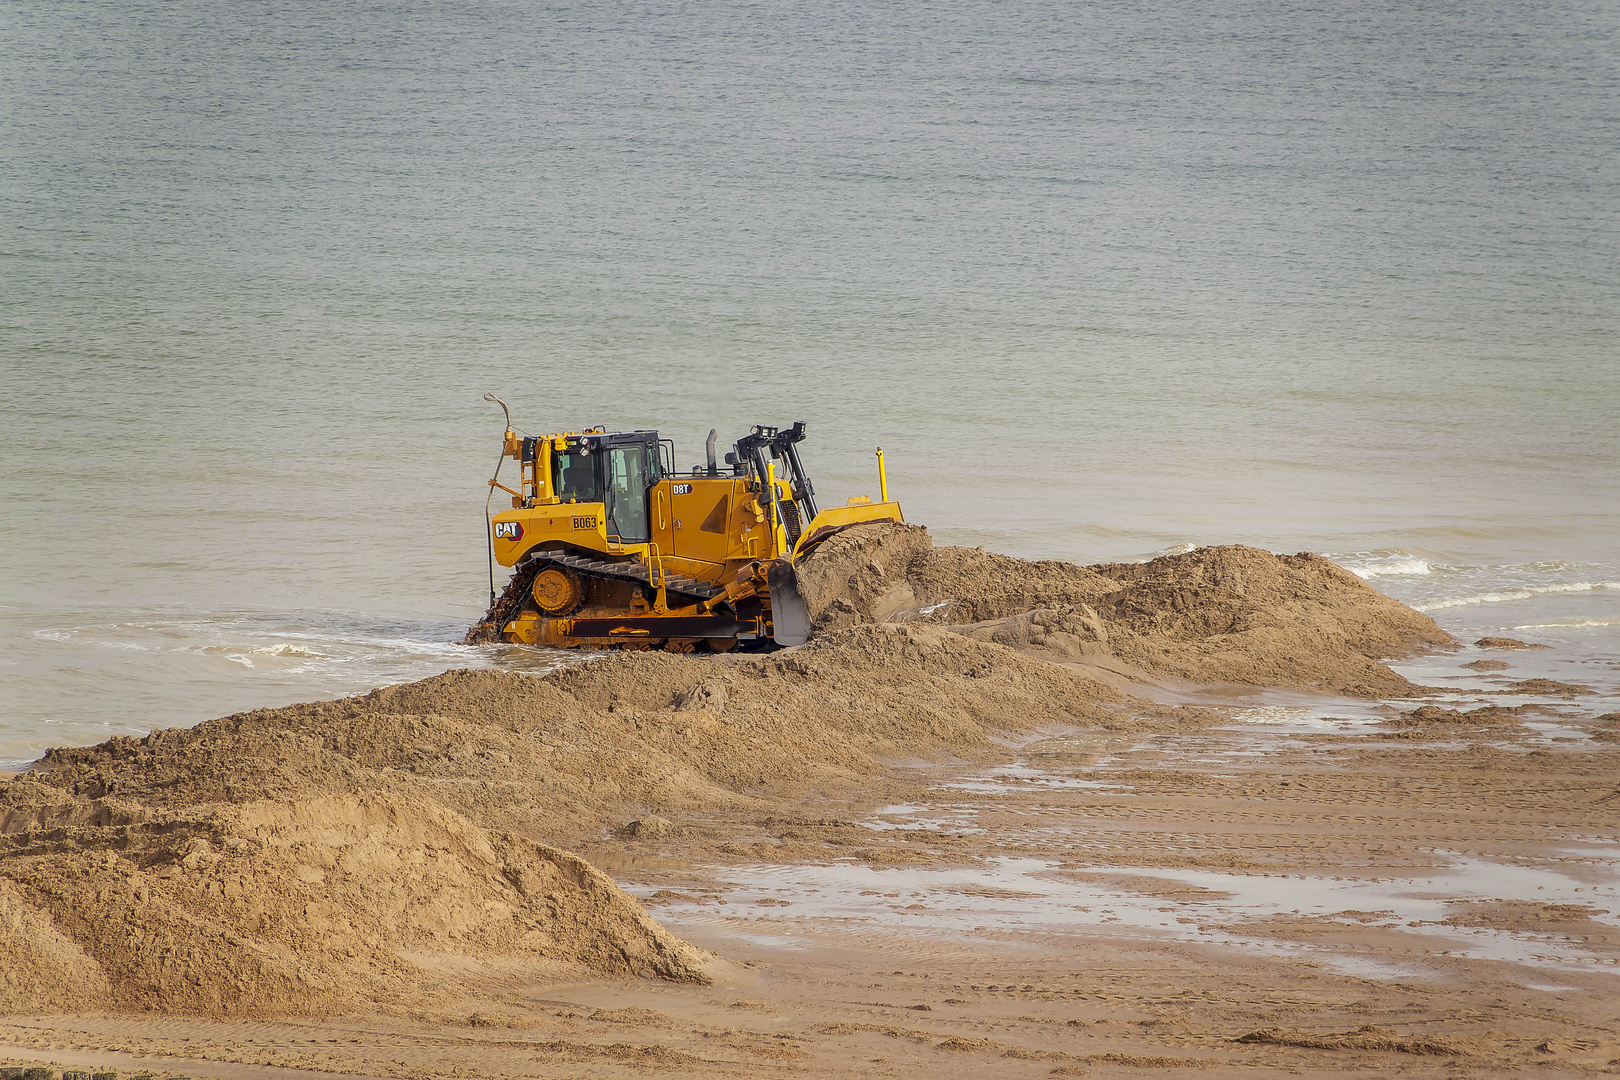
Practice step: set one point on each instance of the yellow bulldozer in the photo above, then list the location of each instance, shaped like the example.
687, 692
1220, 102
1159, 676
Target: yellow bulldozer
611, 546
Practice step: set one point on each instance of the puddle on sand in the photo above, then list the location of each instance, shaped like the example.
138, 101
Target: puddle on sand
1538, 731
1022, 895
998, 780
1550, 730
1418, 904
1337, 718
921, 824
1377, 927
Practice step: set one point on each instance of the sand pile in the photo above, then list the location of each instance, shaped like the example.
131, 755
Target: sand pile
1060, 633
400, 847
1238, 614
308, 907
893, 572
392, 847
1222, 614
1483, 716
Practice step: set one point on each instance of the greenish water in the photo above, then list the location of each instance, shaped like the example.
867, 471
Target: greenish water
1102, 280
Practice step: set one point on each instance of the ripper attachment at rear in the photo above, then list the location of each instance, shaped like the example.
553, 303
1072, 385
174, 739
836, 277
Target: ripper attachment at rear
611, 546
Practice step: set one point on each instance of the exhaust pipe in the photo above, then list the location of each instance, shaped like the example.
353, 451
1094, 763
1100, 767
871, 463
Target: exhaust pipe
709, 449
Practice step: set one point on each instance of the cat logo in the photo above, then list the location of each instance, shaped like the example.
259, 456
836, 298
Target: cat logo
508, 530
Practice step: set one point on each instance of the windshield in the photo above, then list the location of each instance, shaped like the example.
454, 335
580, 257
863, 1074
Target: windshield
575, 476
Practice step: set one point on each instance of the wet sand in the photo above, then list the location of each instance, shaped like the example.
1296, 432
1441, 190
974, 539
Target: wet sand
1214, 878
1110, 905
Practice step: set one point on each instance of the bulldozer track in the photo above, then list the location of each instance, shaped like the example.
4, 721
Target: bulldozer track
488, 629
680, 588
689, 589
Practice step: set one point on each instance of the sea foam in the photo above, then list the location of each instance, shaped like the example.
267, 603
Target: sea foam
1399, 564
1515, 594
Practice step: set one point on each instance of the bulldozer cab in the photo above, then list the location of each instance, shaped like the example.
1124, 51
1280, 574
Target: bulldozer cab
616, 471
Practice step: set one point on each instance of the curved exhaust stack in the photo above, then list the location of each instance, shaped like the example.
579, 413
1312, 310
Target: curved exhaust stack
709, 450
489, 396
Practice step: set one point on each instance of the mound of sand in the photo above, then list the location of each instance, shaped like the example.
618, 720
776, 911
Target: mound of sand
401, 847
1216, 615
296, 907
861, 575
893, 572
1506, 643
1483, 716
1238, 614
971, 585
393, 847
1061, 633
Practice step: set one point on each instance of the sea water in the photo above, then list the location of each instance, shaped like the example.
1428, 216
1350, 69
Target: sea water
1104, 280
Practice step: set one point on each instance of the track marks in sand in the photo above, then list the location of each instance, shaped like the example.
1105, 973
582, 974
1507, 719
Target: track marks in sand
1342, 822
1368, 1037
380, 1048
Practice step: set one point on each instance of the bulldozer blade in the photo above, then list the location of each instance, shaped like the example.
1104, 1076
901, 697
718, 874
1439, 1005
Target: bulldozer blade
790, 615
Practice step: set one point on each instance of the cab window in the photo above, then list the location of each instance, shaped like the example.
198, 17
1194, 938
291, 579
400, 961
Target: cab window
575, 476
627, 492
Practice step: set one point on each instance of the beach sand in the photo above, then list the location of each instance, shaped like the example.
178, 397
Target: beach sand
998, 818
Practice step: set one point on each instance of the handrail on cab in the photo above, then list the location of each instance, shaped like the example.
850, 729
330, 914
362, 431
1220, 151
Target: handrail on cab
655, 569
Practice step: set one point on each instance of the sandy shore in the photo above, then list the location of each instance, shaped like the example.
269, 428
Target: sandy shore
1101, 821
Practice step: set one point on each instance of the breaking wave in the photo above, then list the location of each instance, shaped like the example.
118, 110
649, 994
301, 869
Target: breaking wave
1393, 565
1524, 593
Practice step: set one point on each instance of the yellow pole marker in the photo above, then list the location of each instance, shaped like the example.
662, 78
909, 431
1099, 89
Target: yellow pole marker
883, 478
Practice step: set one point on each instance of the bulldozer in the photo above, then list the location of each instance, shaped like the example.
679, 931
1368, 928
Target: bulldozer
611, 546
